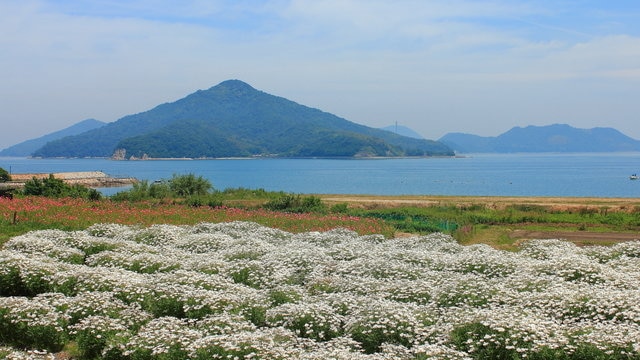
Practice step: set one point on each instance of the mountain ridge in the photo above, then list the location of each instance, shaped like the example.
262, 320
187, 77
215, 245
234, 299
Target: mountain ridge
27, 147
403, 130
240, 118
548, 138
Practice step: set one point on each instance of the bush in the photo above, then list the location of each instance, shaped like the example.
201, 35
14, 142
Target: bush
296, 204
192, 188
159, 190
189, 185
248, 194
143, 190
195, 201
138, 191
56, 188
4, 175
341, 208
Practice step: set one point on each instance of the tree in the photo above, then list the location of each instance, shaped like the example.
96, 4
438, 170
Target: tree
143, 190
56, 188
4, 175
189, 185
49, 187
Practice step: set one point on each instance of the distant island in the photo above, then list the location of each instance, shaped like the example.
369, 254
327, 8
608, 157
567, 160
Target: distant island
550, 138
26, 148
232, 119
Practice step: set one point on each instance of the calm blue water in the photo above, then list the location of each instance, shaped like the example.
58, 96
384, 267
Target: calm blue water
601, 175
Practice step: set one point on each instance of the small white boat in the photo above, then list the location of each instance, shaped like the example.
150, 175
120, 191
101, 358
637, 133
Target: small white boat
633, 177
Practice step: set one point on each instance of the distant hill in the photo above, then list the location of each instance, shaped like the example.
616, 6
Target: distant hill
403, 130
26, 148
468, 143
234, 119
551, 138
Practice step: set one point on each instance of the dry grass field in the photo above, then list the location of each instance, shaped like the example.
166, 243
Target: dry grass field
514, 234
561, 203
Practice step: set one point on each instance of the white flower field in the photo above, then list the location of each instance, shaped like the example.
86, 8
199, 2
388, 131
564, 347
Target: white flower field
243, 291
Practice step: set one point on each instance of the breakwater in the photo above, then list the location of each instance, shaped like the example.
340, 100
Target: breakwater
94, 179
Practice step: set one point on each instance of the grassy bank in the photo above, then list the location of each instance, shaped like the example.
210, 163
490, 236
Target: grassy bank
20, 215
499, 222
503, 222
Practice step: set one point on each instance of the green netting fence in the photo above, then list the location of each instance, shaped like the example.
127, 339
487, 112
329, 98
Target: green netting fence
416, 223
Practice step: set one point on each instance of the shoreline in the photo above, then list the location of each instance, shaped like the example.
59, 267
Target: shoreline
495, 202
292, 157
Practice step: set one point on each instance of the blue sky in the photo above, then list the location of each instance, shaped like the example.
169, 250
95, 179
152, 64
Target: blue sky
438, 66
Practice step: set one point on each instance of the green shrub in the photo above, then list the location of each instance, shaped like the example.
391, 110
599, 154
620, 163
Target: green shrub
195, 201
162, 304
50, 187
295, 203
214, 201
247, 194
159, 190
193, 188
211, 200
57, 188
189, 185
4, 175
283, 296
10, 282
341, 208
245, 276
32, 325
144, 191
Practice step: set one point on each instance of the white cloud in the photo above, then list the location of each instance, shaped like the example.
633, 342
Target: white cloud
438, 66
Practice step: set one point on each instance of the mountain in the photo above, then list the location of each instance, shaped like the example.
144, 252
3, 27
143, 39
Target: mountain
403, 130
550, 138
27, 148
234, 119
468, 143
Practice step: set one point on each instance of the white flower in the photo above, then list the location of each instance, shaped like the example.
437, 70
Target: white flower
244, 290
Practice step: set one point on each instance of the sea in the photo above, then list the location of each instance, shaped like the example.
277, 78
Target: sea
540, 174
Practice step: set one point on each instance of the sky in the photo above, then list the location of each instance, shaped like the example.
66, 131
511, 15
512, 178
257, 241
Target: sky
435, 66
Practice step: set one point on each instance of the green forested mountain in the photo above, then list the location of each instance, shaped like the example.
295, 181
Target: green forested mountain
26, 148
234, 119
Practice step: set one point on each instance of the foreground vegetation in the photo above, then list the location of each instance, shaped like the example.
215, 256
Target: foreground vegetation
468, 222
477, 221
240, 290
484, 223
23, 214
179, 270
